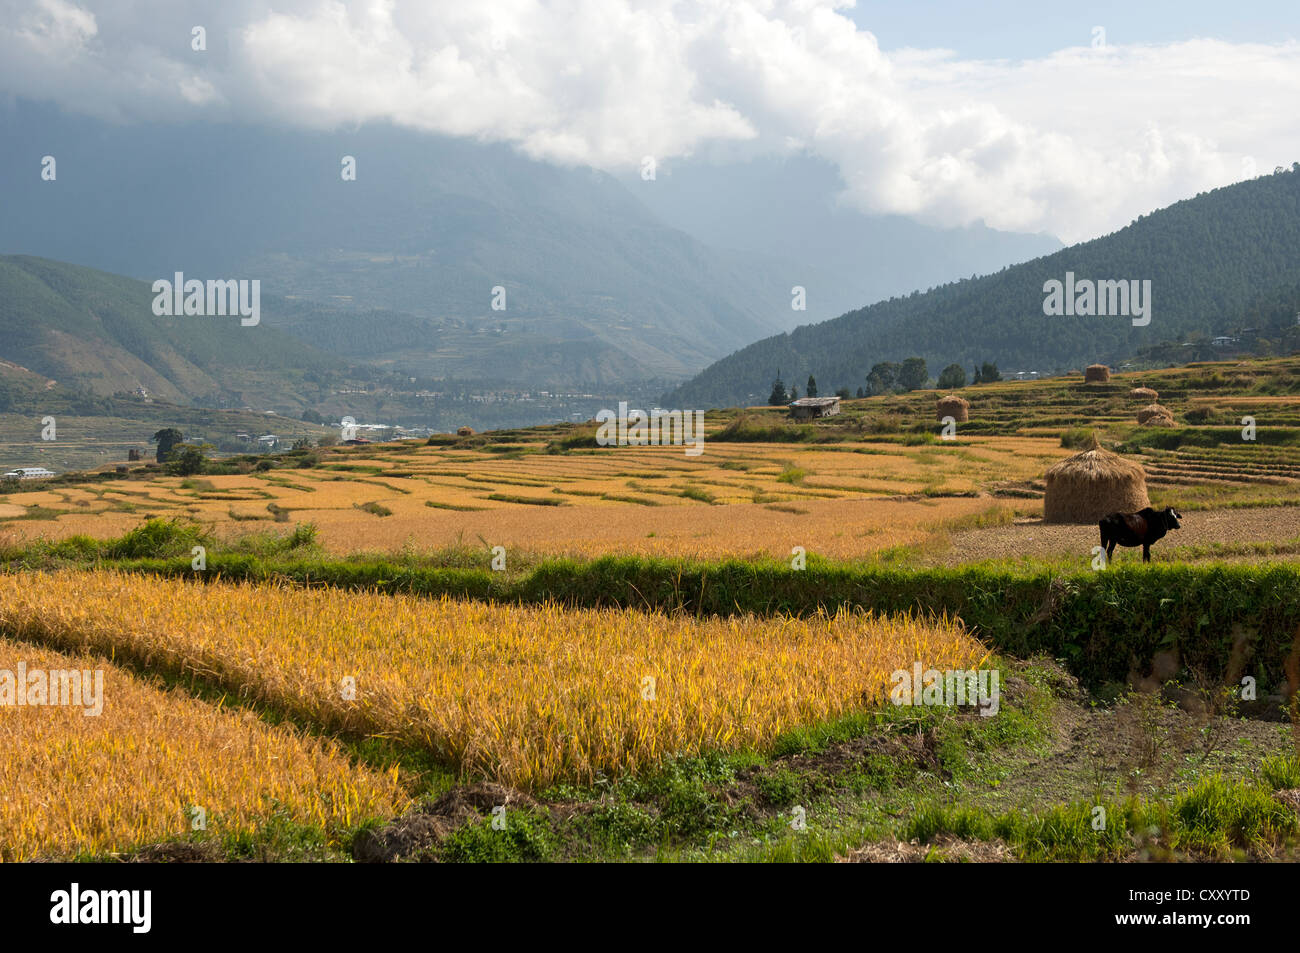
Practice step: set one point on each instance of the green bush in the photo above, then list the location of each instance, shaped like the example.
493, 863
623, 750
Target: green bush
524, 837
156, 539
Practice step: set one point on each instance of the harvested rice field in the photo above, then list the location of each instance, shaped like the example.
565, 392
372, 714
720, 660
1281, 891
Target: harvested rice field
736, 499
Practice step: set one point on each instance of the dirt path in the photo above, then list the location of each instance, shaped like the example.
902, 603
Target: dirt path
1275, 524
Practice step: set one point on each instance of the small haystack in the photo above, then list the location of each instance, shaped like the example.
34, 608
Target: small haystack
1092, 484
1155, 416
1152, 412
1144, 393
464, 431
958, 408
1096, 373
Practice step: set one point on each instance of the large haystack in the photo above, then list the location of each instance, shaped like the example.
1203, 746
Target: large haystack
464, 431
1154, 411
1144, 393
1092, 484
1096, 373
958, 408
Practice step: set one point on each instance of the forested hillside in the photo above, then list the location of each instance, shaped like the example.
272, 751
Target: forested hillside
1209, 259
96, 332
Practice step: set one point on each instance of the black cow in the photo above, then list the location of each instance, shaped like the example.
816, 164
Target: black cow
1137, 529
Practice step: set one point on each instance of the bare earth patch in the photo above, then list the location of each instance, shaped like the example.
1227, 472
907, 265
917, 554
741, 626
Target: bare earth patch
1034, 538
947, 849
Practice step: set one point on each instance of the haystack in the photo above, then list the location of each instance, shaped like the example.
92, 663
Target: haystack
464, 431
1155, 416
1092, 484
958, 408
1144, 393
1153, 411
1096, 373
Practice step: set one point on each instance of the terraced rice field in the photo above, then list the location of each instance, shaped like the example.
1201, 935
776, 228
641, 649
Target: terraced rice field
847, 487
1245, 465
130, 776
737, 499
517, 694
628, 732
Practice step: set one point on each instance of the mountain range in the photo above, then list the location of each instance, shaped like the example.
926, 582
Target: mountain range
607, 284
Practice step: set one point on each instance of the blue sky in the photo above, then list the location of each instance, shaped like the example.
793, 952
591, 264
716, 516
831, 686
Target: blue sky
1014, 29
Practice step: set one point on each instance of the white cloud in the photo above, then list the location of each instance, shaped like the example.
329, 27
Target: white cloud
1075, 143
57, 28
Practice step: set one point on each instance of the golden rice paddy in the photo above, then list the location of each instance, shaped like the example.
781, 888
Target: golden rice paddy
523, 695
72, 783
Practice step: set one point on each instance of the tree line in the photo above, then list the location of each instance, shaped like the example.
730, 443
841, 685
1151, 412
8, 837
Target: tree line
889, 377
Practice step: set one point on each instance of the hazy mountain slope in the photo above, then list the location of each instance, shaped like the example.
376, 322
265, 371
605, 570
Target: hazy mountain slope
430, 226
594, 278
91, 330
1207, 258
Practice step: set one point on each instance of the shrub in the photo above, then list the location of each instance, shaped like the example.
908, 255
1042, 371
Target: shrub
158, 539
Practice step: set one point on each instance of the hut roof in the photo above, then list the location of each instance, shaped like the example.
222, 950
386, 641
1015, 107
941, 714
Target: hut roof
815, 402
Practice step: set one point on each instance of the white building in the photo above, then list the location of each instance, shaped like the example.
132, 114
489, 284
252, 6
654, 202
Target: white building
29, 473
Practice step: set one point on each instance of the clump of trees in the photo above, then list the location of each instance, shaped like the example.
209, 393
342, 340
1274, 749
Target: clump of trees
188, 459
913, 375
882, 379
167, 440
180, 458
952, 377
888, 377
